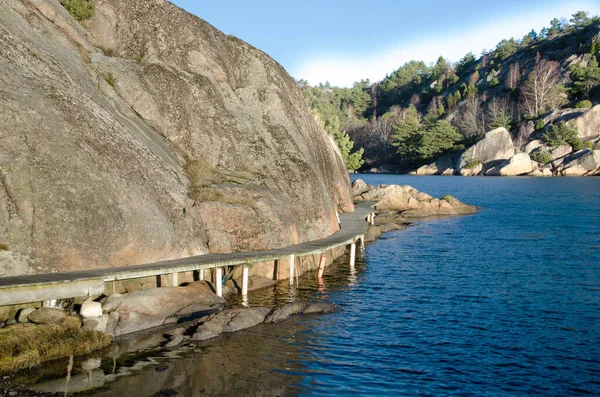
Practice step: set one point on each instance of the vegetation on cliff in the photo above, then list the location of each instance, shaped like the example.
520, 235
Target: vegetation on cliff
516, 84
80, 9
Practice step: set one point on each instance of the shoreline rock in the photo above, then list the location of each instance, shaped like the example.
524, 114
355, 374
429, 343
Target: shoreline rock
233, 320
408, 201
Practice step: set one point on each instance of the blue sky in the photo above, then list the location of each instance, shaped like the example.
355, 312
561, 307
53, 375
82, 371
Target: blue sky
345, 41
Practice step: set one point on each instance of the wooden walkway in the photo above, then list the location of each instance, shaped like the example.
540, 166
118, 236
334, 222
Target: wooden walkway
46, 287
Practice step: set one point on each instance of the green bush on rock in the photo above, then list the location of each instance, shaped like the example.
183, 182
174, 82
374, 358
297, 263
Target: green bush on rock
560, 134
583, 104
80, 9
541, 157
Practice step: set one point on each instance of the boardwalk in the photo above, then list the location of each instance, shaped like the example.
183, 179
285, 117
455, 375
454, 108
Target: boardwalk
44, 287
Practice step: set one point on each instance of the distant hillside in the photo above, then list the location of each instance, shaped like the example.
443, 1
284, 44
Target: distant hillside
420, 112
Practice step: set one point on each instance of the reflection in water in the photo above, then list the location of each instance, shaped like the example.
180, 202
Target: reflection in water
264, 360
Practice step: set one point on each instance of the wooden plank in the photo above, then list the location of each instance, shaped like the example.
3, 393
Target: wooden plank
47, 292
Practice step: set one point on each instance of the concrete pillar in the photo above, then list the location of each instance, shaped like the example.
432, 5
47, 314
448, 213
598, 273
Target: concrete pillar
201, 274
219, 281
352, 254
372, 218
244, 281
321, 266
174, 279
362, 242
292, 260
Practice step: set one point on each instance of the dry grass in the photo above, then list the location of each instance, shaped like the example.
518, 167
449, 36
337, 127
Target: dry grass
26, 346
204, 177
203, 195
201, 173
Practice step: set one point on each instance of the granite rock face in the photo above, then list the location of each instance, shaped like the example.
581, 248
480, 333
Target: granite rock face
145, 134
495, 145
587, 124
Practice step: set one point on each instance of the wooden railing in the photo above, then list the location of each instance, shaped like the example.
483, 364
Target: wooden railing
47, 287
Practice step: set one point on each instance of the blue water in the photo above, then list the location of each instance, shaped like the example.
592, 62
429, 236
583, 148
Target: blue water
502, 303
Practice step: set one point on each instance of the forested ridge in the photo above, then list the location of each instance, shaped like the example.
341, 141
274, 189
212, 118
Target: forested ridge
420, 111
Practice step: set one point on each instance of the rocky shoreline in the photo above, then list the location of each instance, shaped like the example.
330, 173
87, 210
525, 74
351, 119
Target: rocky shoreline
496, 155
194, 313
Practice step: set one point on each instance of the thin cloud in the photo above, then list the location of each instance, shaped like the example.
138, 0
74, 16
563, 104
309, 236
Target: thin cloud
345, 70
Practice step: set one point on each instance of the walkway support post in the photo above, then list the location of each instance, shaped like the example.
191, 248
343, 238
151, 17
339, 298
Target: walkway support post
245, 281
201, 274
321, 266
362, 242
292, 260
174, 279
219, 281
352, 254
372, 218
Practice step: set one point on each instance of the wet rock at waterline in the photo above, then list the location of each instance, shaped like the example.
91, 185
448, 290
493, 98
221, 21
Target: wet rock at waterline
230, 321
238, 319
282, 313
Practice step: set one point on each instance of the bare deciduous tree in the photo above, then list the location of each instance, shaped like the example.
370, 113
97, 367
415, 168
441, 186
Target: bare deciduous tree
522, 135
540, 91
514, 75
500, 112
470, 118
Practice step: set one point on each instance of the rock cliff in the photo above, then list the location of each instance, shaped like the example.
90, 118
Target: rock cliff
146, 134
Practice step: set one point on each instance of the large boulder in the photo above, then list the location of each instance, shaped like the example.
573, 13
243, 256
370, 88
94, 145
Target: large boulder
519, 164
588, 124
149, 308
495, 145
146, 134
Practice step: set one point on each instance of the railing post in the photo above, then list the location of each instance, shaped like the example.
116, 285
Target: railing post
292, 260
245, 281
321, 266
219, 281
